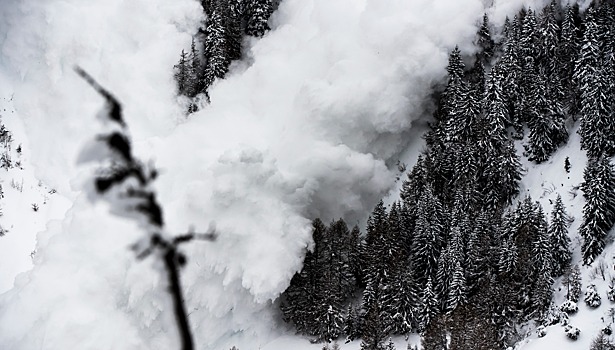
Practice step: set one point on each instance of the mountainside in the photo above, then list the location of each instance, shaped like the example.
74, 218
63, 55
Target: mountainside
466, 120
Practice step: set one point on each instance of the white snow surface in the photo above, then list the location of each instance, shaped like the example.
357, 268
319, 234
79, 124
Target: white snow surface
310, 123
544, 182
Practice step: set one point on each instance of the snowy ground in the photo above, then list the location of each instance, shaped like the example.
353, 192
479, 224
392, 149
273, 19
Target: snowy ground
310, 123
21, 191
543, 182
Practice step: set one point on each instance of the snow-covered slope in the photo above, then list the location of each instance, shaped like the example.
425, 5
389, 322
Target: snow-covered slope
21, 193
310, 123
543, 182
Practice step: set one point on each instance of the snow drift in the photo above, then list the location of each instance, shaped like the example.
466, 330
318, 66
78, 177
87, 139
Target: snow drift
306, 125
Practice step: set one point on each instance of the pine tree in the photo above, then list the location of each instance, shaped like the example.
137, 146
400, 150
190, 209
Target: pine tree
352, 324
217, 60
410, 194
567, 57
542, 261
257, 14
485, 42
234, 29
542, 258
452, 98
193, 87
457, 292
403, 298
529, 39
373, 334
182, 76
599, 209
337, 260
396, 292
331, 324
460, 108
508, 257
434, 337
354, 254
428, 307
596, 127
543, 112
550, 39
479, 263
375, 255
305, 290
501, 174
572, 281
508, 73
429, 236
558, 233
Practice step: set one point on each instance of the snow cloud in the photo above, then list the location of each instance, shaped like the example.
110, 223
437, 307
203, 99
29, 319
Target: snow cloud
307, 125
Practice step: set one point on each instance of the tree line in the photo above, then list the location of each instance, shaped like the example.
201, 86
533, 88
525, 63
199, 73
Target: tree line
461, 256
219, 42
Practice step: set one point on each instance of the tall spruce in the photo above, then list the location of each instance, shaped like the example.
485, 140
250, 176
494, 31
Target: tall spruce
485, 42
560, 242
429, 236
257, 15
599, 210
182, 73
597, 128
373, 333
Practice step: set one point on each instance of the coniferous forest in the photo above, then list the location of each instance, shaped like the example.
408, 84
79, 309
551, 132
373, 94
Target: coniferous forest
307, 174
219, 43
463, 258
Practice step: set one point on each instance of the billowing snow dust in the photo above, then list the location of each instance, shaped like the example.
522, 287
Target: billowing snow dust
309, 123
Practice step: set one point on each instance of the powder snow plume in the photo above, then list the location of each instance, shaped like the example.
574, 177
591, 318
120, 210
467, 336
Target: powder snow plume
307, 125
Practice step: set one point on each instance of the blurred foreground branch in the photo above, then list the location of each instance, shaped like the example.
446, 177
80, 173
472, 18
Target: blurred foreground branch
128, 183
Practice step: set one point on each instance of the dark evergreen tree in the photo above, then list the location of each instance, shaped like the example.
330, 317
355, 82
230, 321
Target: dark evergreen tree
567, 57
305, 293
331, 323
550, 32
458, 289
525, 277
480, 258
234, 29
403, 300
354, 254
542, 262
215, 46
373, 334
560, 242
507, 75
340, 248
397, 291
428, 307
429, 236
257, 14
529, 40
572, 281
193, 87
352, 325
501, 175
434, 337
542, 108
484, 42
451, 100
599, 209
460, 108
182, 74
597, 129
375, 255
